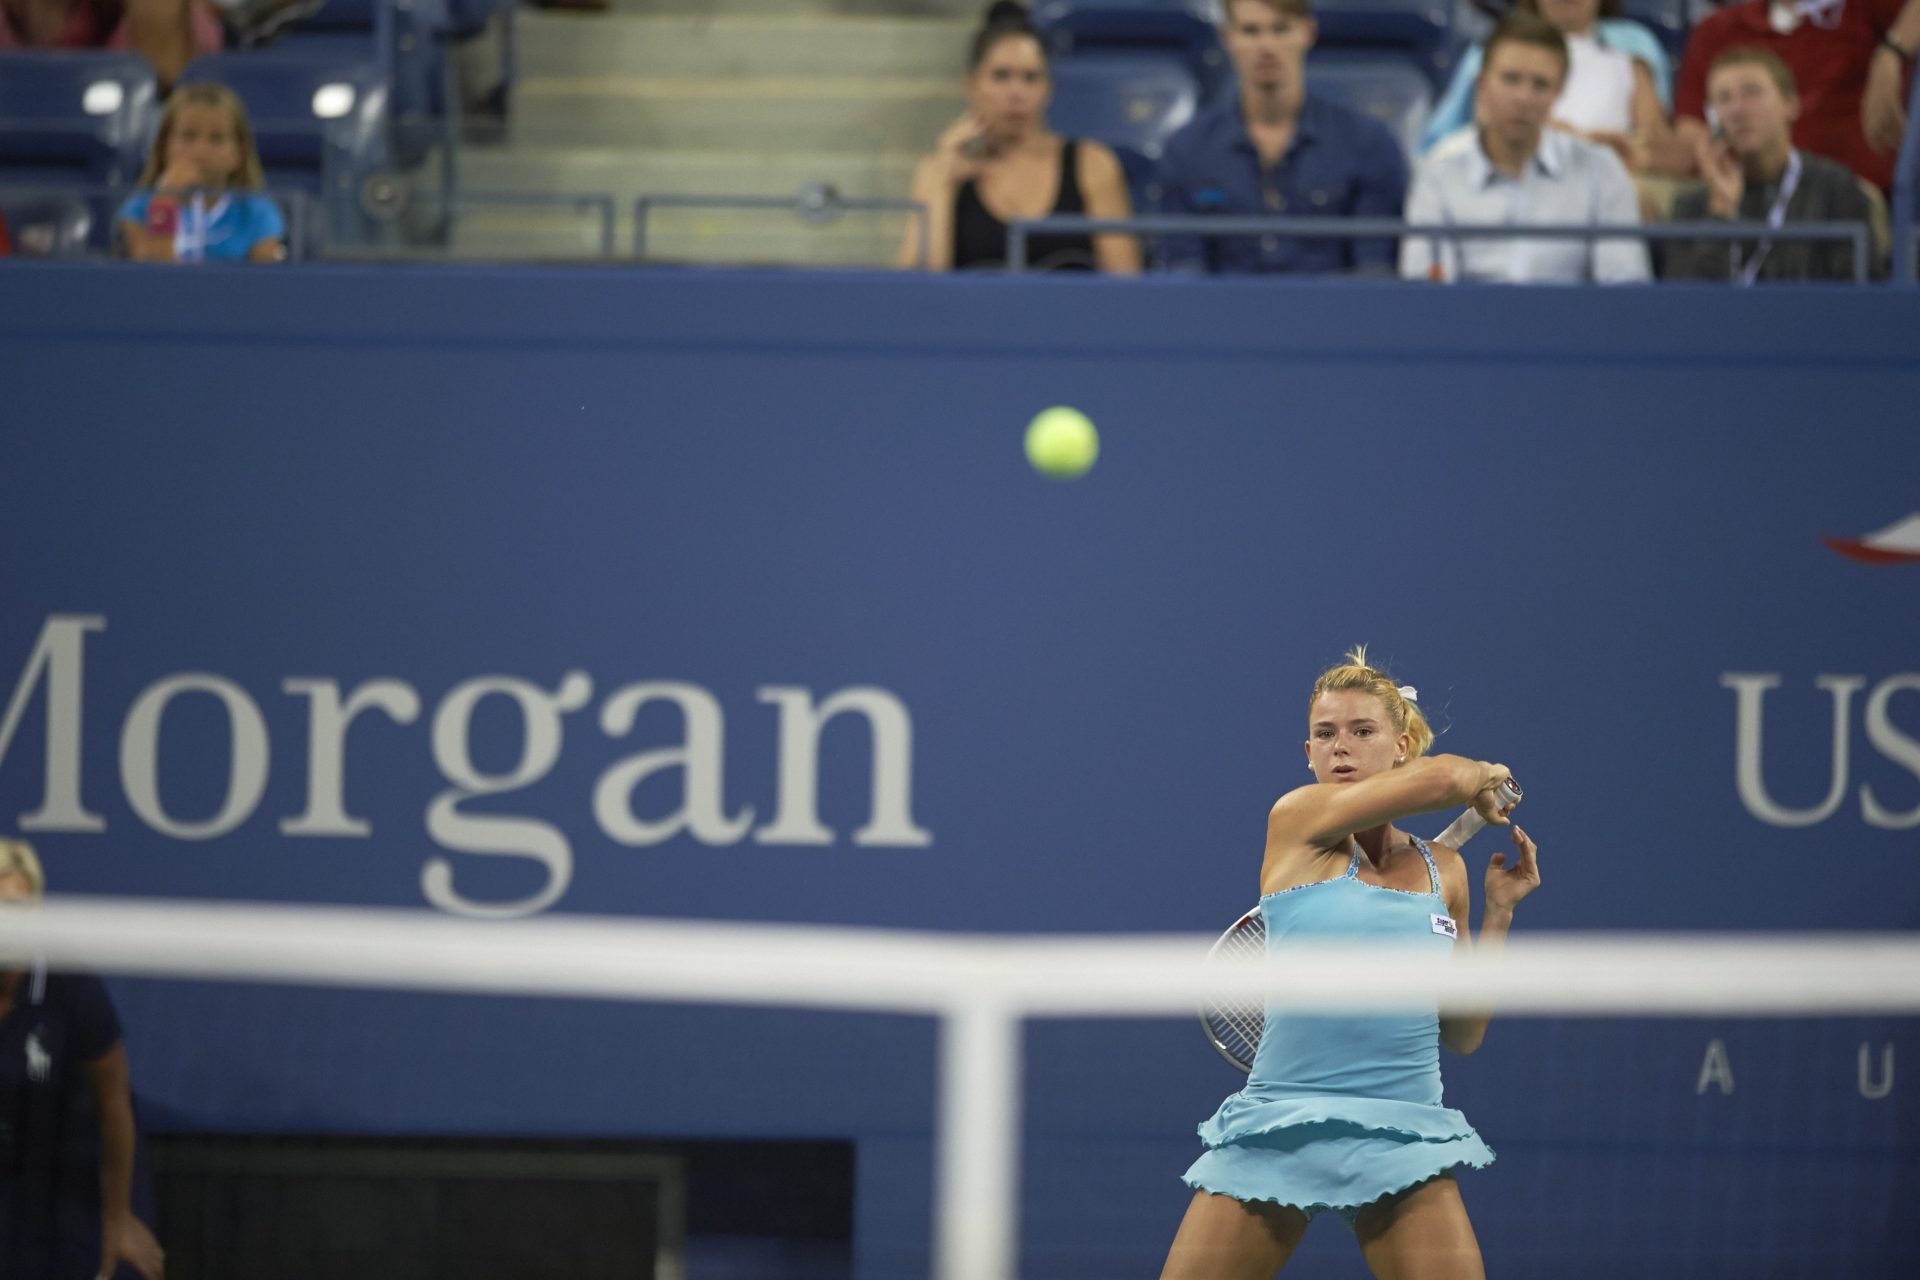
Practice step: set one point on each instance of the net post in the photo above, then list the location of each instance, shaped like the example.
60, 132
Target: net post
976, 1186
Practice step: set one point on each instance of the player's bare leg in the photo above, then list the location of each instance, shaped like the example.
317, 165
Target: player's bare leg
1421, 1234
1226, 1239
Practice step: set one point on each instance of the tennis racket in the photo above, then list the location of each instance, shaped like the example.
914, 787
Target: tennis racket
1233, 1025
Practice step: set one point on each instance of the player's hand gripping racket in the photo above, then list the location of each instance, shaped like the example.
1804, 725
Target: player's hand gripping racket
1233, 1026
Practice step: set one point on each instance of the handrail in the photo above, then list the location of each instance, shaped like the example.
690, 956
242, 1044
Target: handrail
816, 202
597, 202
1020, 229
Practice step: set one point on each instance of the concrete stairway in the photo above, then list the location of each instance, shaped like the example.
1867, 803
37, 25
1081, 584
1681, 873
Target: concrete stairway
738, 97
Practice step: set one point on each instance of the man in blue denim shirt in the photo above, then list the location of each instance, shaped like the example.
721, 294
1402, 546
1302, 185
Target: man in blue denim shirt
1275, 149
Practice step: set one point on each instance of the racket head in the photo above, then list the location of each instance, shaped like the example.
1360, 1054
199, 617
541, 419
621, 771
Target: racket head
1233, 1026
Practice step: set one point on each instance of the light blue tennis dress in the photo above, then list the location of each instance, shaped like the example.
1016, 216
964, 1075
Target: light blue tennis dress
1340, 1111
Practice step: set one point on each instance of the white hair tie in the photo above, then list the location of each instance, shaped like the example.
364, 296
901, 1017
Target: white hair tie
1410, 693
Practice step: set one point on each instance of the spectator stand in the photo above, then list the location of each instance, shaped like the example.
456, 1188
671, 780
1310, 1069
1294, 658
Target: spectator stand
1418, 32
1185, 30
412, 45
1667, 19
1388, 87
1131, 100
74, 132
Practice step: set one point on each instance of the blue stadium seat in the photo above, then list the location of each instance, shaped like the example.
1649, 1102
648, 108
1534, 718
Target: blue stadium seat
321, 125
402, 37
1667, 19
1420, 29
78, 117
1388, 87
78, 122
49, 223
1131, 101
1188, 29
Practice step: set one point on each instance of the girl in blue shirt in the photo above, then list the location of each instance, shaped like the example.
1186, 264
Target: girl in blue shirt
201, 197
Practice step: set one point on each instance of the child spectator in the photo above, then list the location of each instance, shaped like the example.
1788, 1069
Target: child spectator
201, 196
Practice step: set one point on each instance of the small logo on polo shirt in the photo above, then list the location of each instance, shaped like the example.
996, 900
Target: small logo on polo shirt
1444, 925
39, 1061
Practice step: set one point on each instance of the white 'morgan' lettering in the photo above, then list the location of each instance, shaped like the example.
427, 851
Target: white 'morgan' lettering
246, 755
699, 759
328, 719
796, 819
496, 834
59, 657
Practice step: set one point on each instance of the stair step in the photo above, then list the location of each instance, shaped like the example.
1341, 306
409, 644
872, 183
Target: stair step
813, 115
774, 45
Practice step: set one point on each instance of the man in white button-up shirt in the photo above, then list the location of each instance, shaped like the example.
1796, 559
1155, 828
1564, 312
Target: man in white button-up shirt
1510, 169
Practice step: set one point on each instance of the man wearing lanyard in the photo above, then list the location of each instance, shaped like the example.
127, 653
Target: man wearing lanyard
1754, 173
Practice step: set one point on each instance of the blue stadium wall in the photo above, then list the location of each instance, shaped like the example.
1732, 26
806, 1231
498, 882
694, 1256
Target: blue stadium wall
614, 559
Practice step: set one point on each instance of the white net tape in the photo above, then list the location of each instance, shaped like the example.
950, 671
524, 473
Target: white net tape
980, 986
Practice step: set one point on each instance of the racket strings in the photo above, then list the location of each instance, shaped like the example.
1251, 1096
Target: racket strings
1237, 1025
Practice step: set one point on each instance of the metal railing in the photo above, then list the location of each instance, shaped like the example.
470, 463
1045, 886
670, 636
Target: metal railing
103, 201
598, 204
1020, 230
817, 203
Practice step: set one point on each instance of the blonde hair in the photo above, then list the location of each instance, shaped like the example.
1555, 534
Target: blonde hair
17, 858
249, 175
1356, 674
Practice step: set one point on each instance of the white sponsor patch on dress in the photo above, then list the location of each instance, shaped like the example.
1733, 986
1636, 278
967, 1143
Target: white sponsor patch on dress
1445, 925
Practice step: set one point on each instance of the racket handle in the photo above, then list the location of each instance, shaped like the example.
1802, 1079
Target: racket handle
1467, 825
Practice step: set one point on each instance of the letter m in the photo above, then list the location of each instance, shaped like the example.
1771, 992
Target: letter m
58, 659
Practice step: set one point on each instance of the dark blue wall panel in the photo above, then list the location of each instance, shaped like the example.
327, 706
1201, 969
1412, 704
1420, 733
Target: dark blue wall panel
1579, 521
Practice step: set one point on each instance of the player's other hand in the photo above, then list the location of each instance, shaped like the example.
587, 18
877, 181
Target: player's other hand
124, 1238
1486, 801
1508, 881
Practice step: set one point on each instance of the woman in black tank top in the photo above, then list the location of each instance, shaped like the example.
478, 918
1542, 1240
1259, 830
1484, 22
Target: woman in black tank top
1000, 163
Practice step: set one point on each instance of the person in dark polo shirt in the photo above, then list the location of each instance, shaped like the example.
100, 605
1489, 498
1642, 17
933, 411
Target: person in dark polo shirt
1275, 148
66, 1117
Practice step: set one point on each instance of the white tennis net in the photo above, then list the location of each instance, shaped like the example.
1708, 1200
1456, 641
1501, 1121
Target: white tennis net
981, 988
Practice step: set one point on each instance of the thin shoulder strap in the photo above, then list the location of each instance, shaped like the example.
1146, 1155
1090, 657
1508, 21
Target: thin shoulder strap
1353, 863
1433, 872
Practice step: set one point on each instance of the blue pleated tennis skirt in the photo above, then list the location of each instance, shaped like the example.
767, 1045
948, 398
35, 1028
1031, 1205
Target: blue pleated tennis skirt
1329, 1153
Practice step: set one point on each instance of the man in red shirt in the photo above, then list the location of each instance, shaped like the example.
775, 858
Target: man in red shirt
171, 33
1851, 58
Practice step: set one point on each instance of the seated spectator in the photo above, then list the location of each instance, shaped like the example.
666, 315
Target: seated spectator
1618, 89
201, 196
1755, 174
1000, 163
168, 33
1852, 60
1513, 170
63, 1072
1275, 148
6, 239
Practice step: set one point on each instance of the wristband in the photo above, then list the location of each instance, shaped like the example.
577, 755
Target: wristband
1905, 55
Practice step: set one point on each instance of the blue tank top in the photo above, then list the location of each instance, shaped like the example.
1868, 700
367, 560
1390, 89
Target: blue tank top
1388, 1056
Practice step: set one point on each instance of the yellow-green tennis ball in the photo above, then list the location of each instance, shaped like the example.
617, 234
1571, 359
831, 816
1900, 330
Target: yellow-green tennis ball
1061, 443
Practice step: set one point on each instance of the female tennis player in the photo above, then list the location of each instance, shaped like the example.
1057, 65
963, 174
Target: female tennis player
1343, 1114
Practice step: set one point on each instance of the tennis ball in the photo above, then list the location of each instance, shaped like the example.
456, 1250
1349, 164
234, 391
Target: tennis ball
1061, 443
